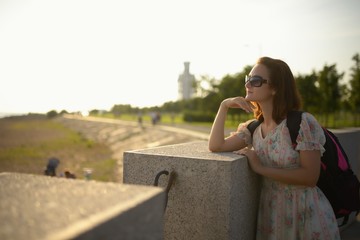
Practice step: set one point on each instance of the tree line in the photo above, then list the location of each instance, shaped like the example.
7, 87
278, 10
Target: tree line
322, 93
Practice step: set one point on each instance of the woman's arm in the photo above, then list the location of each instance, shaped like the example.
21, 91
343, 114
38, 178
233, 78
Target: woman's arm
307, 174
217, 140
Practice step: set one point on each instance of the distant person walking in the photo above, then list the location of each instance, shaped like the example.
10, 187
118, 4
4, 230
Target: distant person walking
291, 205
140, 119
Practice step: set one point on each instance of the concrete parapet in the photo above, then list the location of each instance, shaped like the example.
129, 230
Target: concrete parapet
41, 207
214, 195
350, 140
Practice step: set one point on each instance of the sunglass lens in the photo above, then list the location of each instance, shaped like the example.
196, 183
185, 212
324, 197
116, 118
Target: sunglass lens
255, 82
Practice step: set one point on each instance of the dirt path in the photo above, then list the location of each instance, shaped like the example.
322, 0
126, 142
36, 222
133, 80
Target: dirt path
123, 136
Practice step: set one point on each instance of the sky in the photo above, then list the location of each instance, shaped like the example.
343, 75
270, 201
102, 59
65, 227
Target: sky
80, 55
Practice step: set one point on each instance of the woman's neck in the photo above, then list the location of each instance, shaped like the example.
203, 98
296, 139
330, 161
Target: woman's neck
267, 110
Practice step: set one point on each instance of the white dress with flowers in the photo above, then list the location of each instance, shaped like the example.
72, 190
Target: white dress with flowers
290, 211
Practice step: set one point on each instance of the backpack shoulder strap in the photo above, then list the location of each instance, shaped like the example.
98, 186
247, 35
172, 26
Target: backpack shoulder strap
343, 160
253, 125
293, 123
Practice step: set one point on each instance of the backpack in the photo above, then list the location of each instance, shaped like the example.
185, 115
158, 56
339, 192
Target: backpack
337, 180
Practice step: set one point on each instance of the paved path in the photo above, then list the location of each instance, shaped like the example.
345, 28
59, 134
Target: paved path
353, 231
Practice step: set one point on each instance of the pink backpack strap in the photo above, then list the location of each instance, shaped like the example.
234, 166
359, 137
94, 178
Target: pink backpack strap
323, 166
342, 161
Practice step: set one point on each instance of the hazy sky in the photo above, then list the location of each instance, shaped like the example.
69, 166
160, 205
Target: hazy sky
86, 54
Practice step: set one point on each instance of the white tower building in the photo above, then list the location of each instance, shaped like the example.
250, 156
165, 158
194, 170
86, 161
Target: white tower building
186, 83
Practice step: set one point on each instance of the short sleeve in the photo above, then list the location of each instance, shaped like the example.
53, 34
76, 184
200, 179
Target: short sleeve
311, 135
243, 132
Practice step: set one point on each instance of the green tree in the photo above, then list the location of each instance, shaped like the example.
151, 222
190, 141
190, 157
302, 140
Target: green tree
308, 91
329, 90
204, 85
119, 109
355, 88
52, 114
233, 86
172, 106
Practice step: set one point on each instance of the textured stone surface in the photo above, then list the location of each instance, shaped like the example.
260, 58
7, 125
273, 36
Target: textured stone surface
350, 140
214, 195
40, 207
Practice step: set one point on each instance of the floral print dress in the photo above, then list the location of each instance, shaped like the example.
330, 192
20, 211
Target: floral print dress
290, 211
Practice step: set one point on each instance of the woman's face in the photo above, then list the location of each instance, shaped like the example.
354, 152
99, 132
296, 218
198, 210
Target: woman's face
259, 75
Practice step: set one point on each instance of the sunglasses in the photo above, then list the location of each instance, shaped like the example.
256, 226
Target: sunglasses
255, 81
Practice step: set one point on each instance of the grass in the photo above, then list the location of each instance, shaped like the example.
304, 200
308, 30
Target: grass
26, 144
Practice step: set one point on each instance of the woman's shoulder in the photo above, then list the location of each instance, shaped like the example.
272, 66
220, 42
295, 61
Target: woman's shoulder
311, 135
244, 125
309, 118
310, 126
243, 132
305, 121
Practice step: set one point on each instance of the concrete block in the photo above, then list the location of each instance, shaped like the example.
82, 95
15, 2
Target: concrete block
350, 140
41, 207
214, 195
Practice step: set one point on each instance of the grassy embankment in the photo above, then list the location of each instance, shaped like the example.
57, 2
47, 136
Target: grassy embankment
26, 144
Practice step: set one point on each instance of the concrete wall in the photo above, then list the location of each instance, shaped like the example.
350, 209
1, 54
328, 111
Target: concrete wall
39, 207
214, 196
350, 140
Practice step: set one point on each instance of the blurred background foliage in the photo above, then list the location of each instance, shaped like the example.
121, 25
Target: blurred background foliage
325, 94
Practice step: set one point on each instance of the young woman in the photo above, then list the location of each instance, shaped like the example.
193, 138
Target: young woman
291, 206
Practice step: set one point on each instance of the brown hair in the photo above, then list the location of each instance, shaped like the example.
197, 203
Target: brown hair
286, 96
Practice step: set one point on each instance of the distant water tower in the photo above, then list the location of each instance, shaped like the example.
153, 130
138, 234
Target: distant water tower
186, 83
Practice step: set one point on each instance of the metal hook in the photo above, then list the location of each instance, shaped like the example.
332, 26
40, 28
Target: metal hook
156, 182
170, 182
